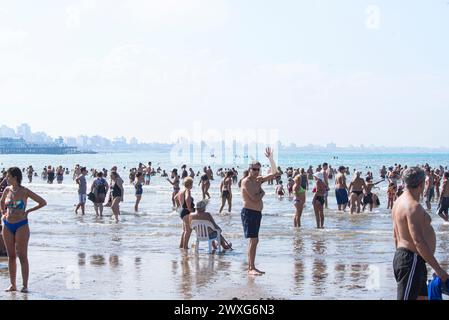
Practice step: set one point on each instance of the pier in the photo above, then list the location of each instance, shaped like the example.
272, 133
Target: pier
20, 146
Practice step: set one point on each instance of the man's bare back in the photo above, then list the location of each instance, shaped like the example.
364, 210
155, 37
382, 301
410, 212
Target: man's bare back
408, 211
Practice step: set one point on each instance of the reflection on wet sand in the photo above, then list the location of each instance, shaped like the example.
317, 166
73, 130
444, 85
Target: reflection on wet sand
319, 279
298, 245
319, 246
114, 260
198, 271
340, 273
137, 262
298, 275
81, 259
97, 260
358, 276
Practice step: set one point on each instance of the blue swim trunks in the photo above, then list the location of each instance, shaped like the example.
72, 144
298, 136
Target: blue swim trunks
251, 222
342, 196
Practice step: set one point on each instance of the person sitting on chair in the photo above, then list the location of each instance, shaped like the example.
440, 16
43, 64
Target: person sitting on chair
201, 214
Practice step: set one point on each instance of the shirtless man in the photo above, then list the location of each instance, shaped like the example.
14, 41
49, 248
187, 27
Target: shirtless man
341, 189
415, 240
225, 191
147, 178
443, 206
252, 194
356, 188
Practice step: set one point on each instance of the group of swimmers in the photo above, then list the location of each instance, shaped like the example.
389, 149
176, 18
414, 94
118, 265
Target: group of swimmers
358, 195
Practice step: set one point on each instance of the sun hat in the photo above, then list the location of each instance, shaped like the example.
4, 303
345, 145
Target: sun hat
319, 175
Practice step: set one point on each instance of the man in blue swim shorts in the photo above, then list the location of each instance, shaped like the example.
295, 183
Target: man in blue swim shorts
252, 194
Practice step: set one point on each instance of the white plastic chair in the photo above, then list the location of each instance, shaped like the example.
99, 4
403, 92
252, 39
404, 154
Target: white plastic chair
201, 228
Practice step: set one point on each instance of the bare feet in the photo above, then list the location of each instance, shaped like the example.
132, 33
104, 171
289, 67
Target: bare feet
24, 290
255, 272
11, 289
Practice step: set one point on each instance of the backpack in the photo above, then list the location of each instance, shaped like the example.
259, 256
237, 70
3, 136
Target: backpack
101, 188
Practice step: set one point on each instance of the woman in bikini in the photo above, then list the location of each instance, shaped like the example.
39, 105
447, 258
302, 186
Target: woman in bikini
391, 192
185, 201
15, 231
225, 190
318, 199
175, 184
356, 189
205, 183
300, 200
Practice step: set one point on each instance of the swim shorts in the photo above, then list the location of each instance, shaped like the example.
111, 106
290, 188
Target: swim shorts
444, 205
411, 274
251, 222
342, 196
430, 194
82, 198
320, 199
368, 199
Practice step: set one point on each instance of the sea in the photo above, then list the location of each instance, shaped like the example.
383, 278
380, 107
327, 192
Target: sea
86, 257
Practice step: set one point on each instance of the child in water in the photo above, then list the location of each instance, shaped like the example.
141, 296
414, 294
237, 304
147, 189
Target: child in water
280, 189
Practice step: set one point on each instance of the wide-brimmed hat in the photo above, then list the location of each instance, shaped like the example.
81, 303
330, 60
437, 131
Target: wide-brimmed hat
319, 175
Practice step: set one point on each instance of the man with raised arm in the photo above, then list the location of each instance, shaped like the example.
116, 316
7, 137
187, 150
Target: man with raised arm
252, 194
415, 240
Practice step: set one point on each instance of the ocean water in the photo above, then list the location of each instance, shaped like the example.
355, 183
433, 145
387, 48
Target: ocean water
84, 257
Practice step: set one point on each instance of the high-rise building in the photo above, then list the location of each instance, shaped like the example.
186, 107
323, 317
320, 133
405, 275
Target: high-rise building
24, 132
7, 132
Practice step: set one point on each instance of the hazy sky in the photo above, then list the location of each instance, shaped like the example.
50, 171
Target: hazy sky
351, 72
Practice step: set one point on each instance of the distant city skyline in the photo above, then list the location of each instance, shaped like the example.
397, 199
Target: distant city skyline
98, 142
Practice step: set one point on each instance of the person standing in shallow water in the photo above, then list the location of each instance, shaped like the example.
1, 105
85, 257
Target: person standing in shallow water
252, 194
187, 205
138, 186
443, 206
205, 184
300, 199
356, 188
415, 240
16, 232
318, 199
175, 184
117, 194
100, 189
225, 191
82, 191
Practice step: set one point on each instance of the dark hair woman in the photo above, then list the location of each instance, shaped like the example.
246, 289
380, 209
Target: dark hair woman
16, 232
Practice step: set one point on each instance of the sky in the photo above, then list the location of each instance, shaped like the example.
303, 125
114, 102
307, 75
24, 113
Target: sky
348, 71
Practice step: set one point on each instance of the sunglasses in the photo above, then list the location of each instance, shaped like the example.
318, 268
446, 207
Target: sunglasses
255, 169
